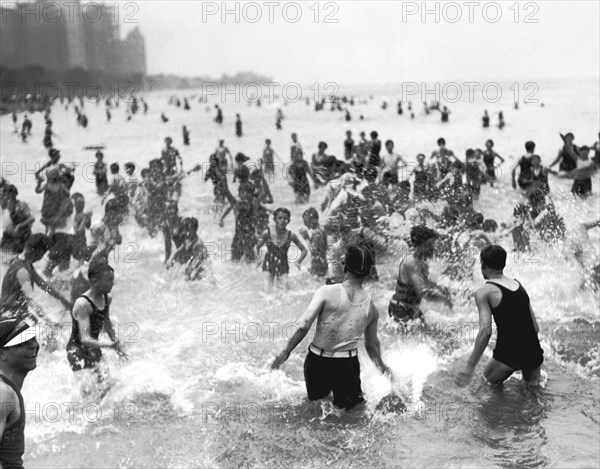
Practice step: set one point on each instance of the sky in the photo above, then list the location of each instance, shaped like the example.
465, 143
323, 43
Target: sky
372, 41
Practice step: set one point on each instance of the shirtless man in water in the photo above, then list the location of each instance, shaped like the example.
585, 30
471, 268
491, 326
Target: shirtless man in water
343, 312
517, 345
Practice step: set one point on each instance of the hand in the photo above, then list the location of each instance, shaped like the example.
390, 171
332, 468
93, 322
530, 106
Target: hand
280, 360
514, 185
464, 377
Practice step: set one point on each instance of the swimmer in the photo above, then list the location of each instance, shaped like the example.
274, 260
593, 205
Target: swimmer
413, 282
344, 312
517, 345
90, 317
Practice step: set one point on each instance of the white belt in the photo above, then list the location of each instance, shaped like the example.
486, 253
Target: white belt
323, 353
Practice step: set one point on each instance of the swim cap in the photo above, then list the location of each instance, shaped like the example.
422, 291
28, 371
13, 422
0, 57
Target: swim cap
358, 261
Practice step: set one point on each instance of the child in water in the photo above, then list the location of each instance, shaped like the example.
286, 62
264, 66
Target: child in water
317, 242
275, 261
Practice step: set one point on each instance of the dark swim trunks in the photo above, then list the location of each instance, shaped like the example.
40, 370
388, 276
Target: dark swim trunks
340, 375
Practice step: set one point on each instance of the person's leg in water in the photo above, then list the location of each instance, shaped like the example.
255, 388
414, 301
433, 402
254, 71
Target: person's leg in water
497, 372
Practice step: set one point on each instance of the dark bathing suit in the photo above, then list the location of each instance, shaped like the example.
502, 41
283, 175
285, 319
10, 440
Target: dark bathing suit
12, 442
517, 345
276, 260
80, 356
404, 305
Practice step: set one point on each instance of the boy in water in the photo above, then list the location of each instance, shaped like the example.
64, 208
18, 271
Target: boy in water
525, 168
275, 261
317, 240
17, 286
390, 163
413, 282
192, 253
517, 345
582, 187
90, 317
343, 312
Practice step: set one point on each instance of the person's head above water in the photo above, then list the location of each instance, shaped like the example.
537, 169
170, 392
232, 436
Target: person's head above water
441, 142
493, 259
423, 240
529, 146
358, 261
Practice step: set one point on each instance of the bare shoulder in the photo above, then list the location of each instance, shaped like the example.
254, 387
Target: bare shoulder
81, 307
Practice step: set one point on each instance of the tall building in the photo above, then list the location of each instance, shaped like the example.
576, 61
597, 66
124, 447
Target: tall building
60, 35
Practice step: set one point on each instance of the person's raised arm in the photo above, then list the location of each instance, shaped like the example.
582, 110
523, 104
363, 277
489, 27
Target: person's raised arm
483, 336
304, 324
590, 225
372, 344
512, 174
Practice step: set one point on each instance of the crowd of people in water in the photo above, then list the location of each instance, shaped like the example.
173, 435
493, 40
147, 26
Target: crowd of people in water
345, 231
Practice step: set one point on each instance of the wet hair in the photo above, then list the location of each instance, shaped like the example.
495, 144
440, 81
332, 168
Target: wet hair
469, 153
358, 261
537, 157
441, 141
145, 172
584, 148
322, 144
529, 146
98, 268
490, 226
388, 178
389, 142
312, 213
489, 141
419, 235
77, 195
129, 166
374, 134
493, 256
283, 210
421, 154
268, 141
570, 134
114, 168
38, 244
479, 218
99, 153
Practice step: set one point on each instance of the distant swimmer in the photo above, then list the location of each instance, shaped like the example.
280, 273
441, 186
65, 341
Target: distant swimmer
90, 317
501, 122
186, 135
517, 344
413, 282
344, 312
18, 356
164, 118
268, 160
485, 120
445, 114
238, 125
568, 155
